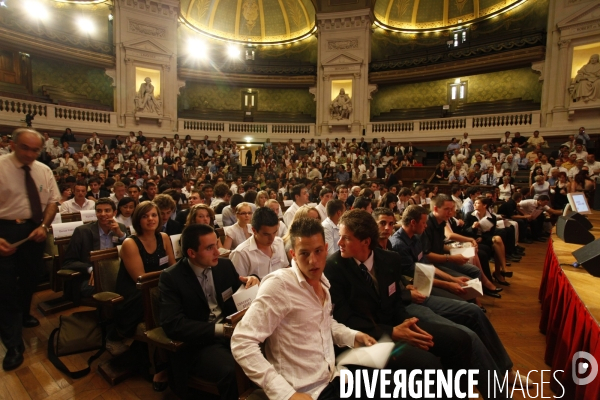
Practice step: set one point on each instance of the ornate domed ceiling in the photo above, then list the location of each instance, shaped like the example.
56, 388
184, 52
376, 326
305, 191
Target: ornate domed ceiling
416, 15
255, 21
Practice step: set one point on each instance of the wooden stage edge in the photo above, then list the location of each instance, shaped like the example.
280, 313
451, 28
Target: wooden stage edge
585, 285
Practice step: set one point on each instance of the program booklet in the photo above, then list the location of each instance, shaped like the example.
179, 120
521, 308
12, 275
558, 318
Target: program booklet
423, 279
474, 289
243, 297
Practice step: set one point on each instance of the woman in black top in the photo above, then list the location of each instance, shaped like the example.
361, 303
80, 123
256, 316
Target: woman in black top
148, 250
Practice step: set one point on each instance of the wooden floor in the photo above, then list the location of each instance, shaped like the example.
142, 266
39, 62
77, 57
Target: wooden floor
515, 317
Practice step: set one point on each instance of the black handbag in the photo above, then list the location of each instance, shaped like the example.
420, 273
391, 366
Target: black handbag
77, 333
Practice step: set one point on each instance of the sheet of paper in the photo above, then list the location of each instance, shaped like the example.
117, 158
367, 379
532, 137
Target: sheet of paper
175, 240
423, 279
219, 220
57, 219
467, 252
288, 203
474, 289
65, 229
485, 224
243, 297
88, 215
375, 356
20, 242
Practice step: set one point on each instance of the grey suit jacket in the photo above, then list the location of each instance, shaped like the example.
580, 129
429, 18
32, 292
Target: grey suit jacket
85, 239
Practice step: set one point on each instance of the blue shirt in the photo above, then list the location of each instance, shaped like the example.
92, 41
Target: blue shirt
106, 239
467, 207
343, 176
410, 250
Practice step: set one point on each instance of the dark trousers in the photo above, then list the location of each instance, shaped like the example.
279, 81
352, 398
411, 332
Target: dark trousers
213, 362
537, 226
522, 229
19, 274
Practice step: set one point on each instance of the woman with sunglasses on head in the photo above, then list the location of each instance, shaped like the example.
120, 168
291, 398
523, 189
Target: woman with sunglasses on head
241, 230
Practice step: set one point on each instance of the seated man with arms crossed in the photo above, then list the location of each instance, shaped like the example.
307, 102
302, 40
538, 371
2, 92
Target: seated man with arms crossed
264, 251
195, 297
292, 316
105, 233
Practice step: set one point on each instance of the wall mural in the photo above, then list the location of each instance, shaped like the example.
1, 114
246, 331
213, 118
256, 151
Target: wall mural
521, 83
222, 97
74, 78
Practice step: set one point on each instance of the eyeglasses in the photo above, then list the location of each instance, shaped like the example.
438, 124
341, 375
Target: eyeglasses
244, 213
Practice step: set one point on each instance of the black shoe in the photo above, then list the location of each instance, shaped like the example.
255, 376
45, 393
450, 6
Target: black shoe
507, 274
507, 264
160, 386
499, 282
13, 357
541, 240
520, 248
526, 241
520, 252
491, 293
30, 322
483, 309
513, 258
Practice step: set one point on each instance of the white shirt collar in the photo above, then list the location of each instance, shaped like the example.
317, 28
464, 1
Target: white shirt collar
368, 262
197, 269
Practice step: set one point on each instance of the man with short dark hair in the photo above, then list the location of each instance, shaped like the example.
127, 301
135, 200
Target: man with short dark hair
195, 297
325, 195
150, 192
134, 193
300, 197
264, 251
96, 192
335, 209
509, 210
434, 249
193, 199
534, 211
78, 202
104, 233
166, 206
298, 365
363, 203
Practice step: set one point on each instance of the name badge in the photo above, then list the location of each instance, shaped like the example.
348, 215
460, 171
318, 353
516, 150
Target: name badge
392, 289
163, 260
420, 256
227, 294
115, 239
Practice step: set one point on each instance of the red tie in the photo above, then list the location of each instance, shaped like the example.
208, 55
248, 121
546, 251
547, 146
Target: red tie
34, 196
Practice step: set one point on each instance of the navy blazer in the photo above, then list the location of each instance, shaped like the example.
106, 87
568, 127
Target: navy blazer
360, 306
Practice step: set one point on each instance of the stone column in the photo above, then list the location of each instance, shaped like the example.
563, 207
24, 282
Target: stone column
343, 63
145, 36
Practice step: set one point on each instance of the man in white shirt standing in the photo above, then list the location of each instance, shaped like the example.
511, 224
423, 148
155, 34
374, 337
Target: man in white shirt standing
325, 195
335, 209
300, 195
263, 252
295, 367
79, 202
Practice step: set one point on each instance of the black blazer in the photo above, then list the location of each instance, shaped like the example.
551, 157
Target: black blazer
474, 233
359, 306
173, 227
102, 193
184, 312
85, 239
182, 216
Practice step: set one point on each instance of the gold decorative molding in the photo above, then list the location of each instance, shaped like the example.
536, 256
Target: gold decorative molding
471, 66
41, 47
247, 79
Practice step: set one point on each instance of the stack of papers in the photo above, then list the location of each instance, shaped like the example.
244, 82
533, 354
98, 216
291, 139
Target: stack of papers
474, 289
375, 356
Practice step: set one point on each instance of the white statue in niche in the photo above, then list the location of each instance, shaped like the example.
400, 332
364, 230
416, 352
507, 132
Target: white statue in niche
145, 100
587, 82
341, 106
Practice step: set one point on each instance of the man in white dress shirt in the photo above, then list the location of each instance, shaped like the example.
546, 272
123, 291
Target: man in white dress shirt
325, 195
335, 209
79, 202
297, 366
263, 252
300, 196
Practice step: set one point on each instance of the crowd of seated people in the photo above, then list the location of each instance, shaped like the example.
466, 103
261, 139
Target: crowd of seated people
145, 190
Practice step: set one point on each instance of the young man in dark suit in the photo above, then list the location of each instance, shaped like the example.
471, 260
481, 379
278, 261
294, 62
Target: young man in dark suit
195, 297
105, 233
368, 297
95, 192
166, 205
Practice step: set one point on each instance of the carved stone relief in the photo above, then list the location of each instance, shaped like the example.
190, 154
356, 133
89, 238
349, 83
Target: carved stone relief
148, 30
342, 44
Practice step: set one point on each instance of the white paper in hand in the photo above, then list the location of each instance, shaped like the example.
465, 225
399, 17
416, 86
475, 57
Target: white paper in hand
175, 241
375, 356
467, 252
474, 289
423, 280
485, 224
243, 297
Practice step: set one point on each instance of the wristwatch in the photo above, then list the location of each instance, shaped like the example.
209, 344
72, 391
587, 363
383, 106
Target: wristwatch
45, 227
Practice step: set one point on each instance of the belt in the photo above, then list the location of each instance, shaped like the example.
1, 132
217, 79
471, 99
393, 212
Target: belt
14, 221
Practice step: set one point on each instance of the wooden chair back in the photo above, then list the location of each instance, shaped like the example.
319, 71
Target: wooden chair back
71, 217
106, 265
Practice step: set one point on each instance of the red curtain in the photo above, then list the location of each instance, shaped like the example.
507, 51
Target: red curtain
569, 328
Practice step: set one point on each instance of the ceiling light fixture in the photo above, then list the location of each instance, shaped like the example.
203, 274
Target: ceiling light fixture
3, 4
233, 51
36, 10
86, 25
196, 48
